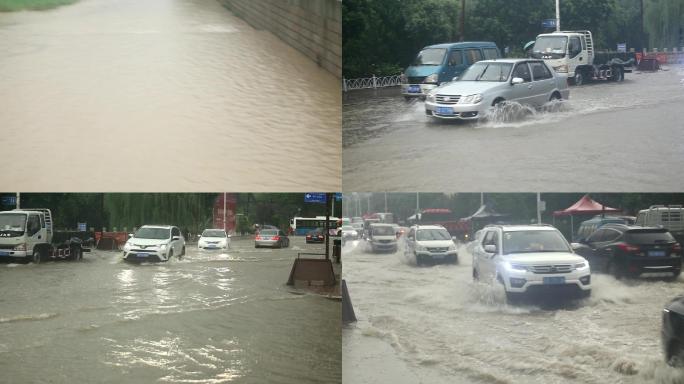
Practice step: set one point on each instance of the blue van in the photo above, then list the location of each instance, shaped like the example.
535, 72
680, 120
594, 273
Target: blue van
440, 63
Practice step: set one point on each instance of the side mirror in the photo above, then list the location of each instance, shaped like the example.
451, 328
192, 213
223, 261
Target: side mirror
175, 238
517, 80
130, 235
490, 248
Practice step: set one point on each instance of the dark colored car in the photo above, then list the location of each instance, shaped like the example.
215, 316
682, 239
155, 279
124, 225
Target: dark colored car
630, 250
673, 332
316, 236
273, 238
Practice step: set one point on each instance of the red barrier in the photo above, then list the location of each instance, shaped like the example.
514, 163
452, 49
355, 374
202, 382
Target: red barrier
119, 237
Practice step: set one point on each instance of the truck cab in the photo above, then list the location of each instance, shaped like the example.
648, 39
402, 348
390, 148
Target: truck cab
24, 232
572, 52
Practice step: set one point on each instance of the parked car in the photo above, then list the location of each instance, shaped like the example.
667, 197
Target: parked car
213, 239
154, 243
630, 250
672, 333
488, 83
430, 244
382, 238
316, 236
273, 238
438, 64
530, 259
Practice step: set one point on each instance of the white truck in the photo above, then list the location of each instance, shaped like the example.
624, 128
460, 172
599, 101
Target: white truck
670, 217
572, 52
27, 235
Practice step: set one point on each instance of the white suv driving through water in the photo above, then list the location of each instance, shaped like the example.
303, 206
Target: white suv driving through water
530, 258
430, 243
154, 243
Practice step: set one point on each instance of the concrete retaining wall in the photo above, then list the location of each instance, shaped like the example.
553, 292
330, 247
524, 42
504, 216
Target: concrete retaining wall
314, 27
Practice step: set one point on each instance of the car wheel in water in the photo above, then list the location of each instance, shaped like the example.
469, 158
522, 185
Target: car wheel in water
170, 255
675, 355
614, 270
514, 297
76, 254
37, 256
578, 79
555, 97
419, 260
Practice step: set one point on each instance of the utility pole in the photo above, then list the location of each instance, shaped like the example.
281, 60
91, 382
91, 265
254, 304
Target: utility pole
462, 37
481, 199
538, 208
224, 211
557, 16
385, 201
18, 197
417, 202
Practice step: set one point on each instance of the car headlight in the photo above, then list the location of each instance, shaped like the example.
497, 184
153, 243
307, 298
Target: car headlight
470, 99
431, 97
432, 79
127, 246
162, 247
561, 68
420, 248
20, 247
515, 267
582, 265
452, 247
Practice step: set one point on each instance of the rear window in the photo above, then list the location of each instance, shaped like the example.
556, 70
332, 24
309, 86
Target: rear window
491, 53
269, 232
648, 237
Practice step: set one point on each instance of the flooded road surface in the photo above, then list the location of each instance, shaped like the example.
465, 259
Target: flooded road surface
434, 325
100, 95
609, 136
213, 317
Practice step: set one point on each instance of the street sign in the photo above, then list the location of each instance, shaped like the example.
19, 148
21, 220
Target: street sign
9, 200
542, 206
81, 227
622, 47
314, 197
549, 23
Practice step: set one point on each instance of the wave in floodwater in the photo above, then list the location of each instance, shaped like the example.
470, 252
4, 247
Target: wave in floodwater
20, 318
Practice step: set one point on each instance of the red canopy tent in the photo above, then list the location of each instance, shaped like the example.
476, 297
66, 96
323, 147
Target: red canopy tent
584, 206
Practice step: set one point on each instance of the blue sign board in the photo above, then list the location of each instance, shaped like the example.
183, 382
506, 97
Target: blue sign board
549, 23
81, 227
9, 200
314, 197
338, 196
622, 47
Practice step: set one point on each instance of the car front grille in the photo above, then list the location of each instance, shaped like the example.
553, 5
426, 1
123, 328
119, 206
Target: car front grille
416, 80
384, 241
562, 268
440, 249
7, 246
447, 99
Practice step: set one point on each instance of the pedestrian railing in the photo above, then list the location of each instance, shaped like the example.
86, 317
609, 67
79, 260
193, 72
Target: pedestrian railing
371, 82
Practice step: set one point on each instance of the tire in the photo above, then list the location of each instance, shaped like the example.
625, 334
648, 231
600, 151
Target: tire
578, 79
419, 260
555, 96
76, 254
676, 274
182, 252
38, 256
618, 74
675, 355
453, 260
498, 101
476, 274
170, 255
584, 294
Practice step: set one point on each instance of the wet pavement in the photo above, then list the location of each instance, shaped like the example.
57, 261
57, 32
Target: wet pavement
435, 325
180, 88
212, 317
608, 136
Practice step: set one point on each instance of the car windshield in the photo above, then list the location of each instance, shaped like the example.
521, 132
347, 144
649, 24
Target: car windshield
153, 233
269, 232
533, 241
487, 72
432, 234
348, 228
384, 230
213, 233
550, 44
12, 222
430, 56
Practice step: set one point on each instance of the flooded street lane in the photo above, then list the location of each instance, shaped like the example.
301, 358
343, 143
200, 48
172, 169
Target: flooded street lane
213, 317
181, 88
434, 325
604, 132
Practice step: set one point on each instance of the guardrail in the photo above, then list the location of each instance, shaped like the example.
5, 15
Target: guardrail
373, 82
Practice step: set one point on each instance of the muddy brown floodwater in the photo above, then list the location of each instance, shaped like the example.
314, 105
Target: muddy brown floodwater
120, 96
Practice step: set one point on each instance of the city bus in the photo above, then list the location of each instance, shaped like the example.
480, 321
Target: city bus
300, 226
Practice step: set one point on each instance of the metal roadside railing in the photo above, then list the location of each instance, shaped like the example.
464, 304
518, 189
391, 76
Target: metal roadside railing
373, 82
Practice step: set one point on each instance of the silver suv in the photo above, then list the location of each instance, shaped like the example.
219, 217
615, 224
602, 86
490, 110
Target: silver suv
429, 244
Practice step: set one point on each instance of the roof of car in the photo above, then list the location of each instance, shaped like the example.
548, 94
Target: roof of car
431, 226
215, 229
628, 227
524, 227
158, 226
380, 225
464, 44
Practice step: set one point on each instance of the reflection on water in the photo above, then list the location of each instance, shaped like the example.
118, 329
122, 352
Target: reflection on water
193, 91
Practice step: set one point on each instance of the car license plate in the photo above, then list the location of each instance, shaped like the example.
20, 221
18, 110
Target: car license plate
414, 89
211, 246
554, 280
445, 111
266, 238
142, 254
656, 253
4, 253
437, 256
